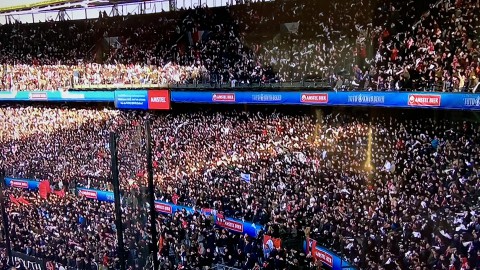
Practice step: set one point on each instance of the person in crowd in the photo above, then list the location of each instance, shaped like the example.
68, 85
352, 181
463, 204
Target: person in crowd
386, 192
391, 45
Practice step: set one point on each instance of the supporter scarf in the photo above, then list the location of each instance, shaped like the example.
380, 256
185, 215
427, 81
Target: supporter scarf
23, 200
14, 200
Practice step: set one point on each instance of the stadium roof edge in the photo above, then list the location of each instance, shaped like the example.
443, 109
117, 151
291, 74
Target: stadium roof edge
62, 4
36, 5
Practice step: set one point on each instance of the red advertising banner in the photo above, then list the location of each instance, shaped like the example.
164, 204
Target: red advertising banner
318, 254
88, 193
424, 100
158, 100
223, 97
314, 98
38, 96
229, 224
19, 184
163, 208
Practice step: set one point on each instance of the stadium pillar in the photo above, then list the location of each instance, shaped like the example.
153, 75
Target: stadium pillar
116, 194
172, 5
114, 11
151, 195
62, 15
6, 232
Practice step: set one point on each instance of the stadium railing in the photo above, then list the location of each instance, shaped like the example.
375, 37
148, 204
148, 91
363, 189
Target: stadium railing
195, 85
219, 266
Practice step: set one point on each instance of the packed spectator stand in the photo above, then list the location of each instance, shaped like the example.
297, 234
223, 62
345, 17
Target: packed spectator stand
389, 189
387, 192
342, 45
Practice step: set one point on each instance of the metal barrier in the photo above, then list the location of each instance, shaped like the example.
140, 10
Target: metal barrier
219, 266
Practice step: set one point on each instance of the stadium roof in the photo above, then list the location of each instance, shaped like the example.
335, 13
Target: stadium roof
30, 4
35, 4
34, 11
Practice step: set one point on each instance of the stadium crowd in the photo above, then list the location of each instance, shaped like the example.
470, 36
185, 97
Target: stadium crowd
441, 51
386, 192
373, 45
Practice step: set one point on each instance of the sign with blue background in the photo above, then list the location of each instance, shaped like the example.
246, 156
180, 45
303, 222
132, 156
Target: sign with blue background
131, 99
329, 258
72, 96
162, 207
33, 184
369, 99
139, 99
230, 224
100, 195
166, 208
22, 183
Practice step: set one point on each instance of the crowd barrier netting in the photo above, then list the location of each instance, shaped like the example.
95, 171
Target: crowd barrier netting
230, 224
162, 207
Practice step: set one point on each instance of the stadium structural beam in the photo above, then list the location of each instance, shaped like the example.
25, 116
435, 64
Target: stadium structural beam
62, 15
10, 19
6, 231
151, 193
116, 195
142, 8
172, 5
114, 11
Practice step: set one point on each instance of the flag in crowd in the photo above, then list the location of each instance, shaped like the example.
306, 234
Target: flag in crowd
44, 189
245, 177
270, 243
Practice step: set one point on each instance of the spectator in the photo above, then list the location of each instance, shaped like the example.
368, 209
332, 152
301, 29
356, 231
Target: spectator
400, 203
419, 46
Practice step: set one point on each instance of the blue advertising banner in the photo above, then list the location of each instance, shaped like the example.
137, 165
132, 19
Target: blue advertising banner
236, 225
371, 99
139, 99
22, 183
131, 99
230, 224
170, 208
103, 196
80, 96
326, 256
